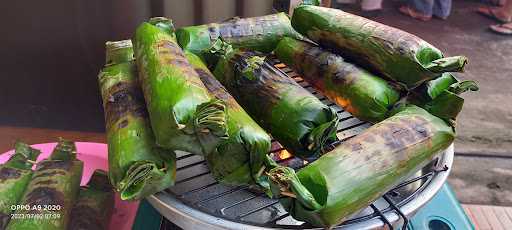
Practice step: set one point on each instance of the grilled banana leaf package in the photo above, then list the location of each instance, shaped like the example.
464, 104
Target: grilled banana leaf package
182, 113
359, 92
137, 166
15, 174
393, 53
291, 114
257, 33
360, 170
441, 97
94, 205
55, 183
240, 159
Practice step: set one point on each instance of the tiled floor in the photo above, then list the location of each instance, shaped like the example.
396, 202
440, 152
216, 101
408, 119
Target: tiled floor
486, 217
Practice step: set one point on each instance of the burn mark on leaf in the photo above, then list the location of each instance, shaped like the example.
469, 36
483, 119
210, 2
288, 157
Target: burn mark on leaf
84, 217
369, 139
245, 29
9, 173
353, 57
123, 123
404, 132
170, 54
356, 147
124, 98
49, 174
4, 219
213, 86
374, 154
421, 130
45, 196
48, 165
141, 112
324, 65
46, 182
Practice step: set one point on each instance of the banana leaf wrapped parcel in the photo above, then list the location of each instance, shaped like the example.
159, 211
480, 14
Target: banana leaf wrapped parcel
359, 92
51, 193
441, 96
137, 166
362, 169
257, 33
15, 174
385, 50
240, 159
291, 114
311, 2
94, 205
182, 114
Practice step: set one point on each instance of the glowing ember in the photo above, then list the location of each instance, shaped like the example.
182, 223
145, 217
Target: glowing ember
280, 65
283, 154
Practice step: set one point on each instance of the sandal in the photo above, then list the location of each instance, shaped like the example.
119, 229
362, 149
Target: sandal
414, 14
503, 29
490, 12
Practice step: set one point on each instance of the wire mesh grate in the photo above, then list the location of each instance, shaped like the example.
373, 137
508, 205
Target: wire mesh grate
197, 188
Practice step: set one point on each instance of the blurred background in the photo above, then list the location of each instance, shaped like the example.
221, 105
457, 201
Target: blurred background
52, 52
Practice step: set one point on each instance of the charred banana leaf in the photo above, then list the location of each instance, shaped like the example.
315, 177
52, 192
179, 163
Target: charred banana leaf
292, 115
362, 169
258, 33
359, 92
15, 174
94, 206
137, 166
394, 53
441, 97
239, 159
182, 114
51, 193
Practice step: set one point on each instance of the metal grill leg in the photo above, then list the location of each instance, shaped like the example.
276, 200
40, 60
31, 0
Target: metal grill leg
400, 213
384, 219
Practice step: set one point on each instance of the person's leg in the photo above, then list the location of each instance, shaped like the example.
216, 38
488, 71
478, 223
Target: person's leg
418, 9
507, 8
370, 5
371, 8
502, 14
422, 6
442, 8
505, 29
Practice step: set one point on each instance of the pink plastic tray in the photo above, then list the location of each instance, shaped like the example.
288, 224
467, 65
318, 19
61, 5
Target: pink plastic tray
94, 156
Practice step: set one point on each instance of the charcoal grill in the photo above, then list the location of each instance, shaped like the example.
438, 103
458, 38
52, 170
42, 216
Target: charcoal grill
197, 201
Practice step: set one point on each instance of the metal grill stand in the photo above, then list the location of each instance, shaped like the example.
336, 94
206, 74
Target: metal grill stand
197, 201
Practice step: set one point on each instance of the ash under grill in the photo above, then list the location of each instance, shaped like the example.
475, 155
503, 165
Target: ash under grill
198, 201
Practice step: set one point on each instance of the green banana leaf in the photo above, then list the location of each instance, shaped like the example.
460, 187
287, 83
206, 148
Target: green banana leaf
257, 33
137, 166
182, 114
239, 159
15, 175
51, 193
362, 169
291, 114
385, 50
94, 205
311, 2
441, 97
359, 92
